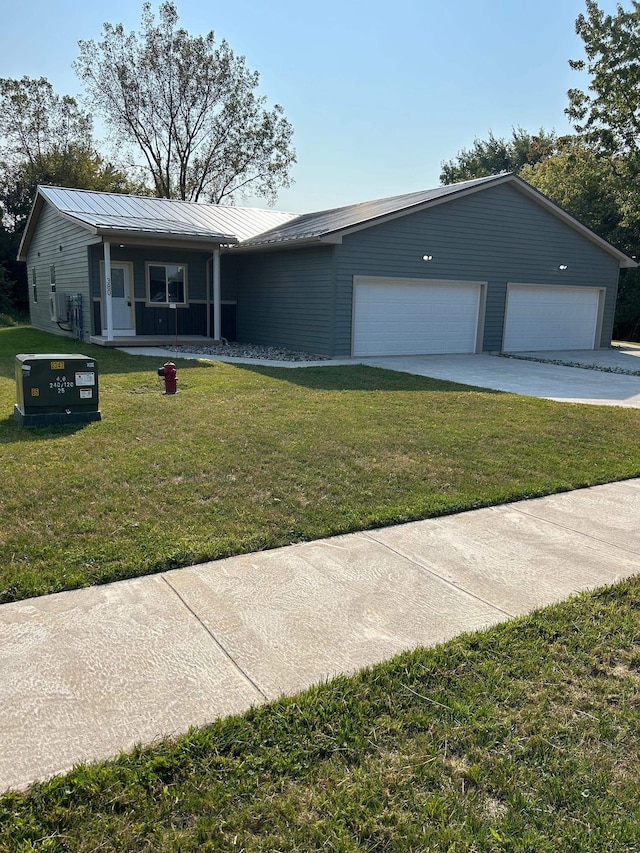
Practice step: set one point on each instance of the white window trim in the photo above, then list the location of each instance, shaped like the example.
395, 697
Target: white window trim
147, 283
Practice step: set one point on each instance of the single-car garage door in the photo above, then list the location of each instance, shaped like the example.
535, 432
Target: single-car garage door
549, 318
399, 316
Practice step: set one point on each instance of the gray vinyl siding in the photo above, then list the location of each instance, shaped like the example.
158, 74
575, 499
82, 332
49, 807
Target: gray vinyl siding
286, 298
58, 241
497, 235
158, 320
195, 263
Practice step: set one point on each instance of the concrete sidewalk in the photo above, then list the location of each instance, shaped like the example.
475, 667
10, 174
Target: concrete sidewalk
87, 673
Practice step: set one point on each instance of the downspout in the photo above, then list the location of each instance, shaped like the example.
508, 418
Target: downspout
217, 302
107, 290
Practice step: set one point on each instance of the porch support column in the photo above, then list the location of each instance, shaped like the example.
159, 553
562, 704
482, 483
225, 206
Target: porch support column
217, 301
107, 290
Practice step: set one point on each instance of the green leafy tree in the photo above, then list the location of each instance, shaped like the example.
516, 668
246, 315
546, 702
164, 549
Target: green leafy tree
608, 113
595, 189
588, 186
494, 155
44, 139
189, 106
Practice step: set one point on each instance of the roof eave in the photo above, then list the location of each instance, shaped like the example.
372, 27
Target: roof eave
30, 226
165, 237
527, 189
624, 261
282, 244
336, 235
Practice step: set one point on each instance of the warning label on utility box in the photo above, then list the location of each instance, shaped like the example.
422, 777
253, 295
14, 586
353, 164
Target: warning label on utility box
86, 393
84, 379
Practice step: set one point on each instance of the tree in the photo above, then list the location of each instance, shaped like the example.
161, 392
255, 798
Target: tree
189, 106
34, 121
588, 186
493, 155
608, 116
44, 139
595, 189
608, 113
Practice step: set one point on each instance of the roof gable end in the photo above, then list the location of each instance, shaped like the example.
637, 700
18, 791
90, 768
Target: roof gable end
332, 225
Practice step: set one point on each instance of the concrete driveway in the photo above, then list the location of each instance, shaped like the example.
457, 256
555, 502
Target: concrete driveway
565, 383
533, 378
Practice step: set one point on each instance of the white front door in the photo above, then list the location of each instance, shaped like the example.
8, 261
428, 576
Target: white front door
121, 299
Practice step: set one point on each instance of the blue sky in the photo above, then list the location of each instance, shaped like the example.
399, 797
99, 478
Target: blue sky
379, 93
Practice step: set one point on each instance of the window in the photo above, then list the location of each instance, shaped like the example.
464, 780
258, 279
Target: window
166, 283
53, 316
34, 284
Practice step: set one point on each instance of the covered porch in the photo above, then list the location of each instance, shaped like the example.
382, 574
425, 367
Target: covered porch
149, 340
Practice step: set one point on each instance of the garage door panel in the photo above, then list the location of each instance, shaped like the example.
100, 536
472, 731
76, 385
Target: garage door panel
550, 318
396, 317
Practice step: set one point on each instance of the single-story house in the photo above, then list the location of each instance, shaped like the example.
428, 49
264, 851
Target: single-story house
483, 265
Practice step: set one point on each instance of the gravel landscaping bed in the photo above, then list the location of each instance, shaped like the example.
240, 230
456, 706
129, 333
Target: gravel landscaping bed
235, 350
603, 368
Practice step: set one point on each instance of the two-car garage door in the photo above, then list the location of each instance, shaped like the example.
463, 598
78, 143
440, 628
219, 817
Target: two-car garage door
399, 316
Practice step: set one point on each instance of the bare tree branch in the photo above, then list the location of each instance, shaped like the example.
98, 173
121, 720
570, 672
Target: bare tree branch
189, 105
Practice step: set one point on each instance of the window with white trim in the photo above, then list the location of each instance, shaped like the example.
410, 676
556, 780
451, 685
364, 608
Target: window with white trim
166, 284
52, 293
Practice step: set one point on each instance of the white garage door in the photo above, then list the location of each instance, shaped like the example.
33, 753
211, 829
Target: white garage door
548, 318
395, 316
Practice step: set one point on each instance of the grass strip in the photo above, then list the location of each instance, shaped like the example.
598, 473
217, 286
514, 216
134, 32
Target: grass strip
246, 458
524, 737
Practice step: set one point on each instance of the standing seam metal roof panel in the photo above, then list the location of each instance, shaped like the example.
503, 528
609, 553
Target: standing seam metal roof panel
94, 208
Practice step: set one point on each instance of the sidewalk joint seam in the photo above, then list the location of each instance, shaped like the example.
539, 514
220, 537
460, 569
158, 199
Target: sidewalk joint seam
216, 641
515, 506
444, 580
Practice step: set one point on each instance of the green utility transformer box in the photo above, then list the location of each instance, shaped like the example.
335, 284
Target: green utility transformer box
53, 388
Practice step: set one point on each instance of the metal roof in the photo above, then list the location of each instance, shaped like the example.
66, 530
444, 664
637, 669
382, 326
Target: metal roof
254, 228
330, 226
118, 212
314, 225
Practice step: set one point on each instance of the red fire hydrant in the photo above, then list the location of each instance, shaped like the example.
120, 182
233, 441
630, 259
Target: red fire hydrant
169, 373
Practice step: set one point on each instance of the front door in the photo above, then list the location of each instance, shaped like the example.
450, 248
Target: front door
121, 300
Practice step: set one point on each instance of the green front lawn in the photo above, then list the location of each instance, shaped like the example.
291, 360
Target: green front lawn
524, 738
246, 458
